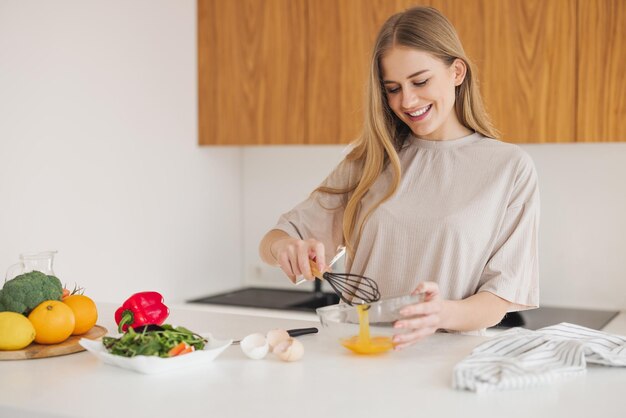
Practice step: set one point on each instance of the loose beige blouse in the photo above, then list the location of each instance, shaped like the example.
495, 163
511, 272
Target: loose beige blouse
466, 215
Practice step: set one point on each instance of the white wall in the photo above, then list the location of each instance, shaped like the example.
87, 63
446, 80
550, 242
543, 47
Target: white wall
276, 178
98, 150
583, 223
583, 220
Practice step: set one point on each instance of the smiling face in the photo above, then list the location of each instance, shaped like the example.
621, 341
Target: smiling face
420, 90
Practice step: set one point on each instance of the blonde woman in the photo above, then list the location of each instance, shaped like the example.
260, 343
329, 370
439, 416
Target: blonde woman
427, 201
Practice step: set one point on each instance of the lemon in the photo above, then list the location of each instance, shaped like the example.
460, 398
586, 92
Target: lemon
16, 331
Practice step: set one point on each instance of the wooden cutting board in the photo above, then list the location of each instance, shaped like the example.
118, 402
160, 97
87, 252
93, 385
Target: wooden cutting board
68, 346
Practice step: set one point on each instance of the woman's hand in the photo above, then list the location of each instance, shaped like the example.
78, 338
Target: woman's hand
421, 319
293, 256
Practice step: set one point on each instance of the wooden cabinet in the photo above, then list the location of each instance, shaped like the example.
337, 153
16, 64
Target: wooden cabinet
294, 71
601, 83
252, 71
336, 71
525, 52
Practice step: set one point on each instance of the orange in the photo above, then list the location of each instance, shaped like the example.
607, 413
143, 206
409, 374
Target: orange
85, 312
53, 321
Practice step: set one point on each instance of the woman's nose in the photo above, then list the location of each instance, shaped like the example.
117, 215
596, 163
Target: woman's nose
409, 100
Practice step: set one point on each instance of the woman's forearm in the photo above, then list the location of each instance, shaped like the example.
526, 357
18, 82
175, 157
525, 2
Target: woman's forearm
482, 310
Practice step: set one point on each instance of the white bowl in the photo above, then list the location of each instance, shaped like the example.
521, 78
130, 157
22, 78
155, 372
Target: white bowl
155, 364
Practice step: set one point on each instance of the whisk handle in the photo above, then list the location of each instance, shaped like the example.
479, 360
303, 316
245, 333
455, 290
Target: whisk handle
315, 271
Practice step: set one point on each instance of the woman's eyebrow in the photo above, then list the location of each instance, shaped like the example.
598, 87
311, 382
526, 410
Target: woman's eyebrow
411, 76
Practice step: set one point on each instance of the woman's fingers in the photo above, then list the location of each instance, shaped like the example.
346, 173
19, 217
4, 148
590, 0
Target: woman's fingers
319, 255
420, 319
422, 308
424, 321
404, 340
430, 290
286, 266
302, 259
294, 257
310, 250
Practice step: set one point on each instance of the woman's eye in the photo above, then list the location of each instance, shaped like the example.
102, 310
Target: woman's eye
393, 90
420, 83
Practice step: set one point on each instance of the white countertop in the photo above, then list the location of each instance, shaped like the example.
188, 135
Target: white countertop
328, 381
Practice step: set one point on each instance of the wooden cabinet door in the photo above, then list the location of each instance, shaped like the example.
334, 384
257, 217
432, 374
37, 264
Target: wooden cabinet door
251, 66
601, 110
295, 71
525, 52
337, 57
341, 35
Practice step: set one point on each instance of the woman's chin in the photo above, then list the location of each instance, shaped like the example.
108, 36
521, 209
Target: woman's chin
424, 132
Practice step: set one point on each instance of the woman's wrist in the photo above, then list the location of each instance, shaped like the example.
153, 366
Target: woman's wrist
268, 249
447, 307
273, 250
481, 310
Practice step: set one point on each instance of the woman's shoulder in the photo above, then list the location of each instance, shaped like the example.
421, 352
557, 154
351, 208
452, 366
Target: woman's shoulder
515, 164
506, 151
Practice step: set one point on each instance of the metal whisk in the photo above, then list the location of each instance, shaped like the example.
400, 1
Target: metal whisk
351, 288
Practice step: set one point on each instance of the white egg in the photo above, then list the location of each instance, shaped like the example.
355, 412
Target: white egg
276, 336
289, 350
255, 346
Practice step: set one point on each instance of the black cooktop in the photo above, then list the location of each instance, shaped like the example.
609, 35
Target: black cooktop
548, 315
284, 299
296, 300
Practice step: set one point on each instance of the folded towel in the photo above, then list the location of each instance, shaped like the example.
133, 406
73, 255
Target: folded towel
521, 358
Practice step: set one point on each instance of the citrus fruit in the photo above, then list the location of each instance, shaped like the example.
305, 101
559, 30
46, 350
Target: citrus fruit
53, 321
16, 331
85, 312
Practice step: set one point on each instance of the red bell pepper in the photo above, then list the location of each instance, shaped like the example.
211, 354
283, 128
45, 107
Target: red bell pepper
143, 308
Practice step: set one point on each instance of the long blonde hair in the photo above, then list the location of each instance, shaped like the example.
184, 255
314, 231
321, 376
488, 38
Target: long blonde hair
426, 29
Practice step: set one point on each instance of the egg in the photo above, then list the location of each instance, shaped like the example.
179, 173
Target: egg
275, 337
289, 350
255, 346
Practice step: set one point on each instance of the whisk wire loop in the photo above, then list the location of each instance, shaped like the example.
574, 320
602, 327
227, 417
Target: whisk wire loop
347, 286
351, 288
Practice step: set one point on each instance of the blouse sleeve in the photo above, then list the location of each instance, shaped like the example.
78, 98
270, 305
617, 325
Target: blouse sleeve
320, 216
512, 271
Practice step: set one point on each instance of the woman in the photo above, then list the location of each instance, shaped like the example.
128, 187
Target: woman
427, 201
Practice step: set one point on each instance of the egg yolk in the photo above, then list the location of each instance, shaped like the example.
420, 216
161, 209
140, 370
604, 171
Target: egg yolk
363, 343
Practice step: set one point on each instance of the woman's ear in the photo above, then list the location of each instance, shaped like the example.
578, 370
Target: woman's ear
460, 69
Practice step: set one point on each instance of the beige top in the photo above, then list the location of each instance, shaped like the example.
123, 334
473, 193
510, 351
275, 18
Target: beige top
466, 216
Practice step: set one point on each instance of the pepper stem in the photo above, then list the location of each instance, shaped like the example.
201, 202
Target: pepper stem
127, 318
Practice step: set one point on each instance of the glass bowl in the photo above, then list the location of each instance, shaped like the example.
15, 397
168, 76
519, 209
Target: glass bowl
342, 320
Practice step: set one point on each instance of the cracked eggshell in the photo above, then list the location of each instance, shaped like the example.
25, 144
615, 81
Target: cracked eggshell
289, 350
255, 346
276, 336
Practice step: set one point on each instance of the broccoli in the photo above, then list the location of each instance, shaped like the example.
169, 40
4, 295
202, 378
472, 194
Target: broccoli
23, 293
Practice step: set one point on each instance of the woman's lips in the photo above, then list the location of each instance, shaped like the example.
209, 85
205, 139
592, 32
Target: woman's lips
421, 113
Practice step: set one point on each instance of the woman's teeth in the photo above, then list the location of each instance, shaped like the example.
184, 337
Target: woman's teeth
421, 111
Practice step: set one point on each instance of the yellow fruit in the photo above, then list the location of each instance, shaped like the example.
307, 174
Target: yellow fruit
85, 312
53, 321
16, 331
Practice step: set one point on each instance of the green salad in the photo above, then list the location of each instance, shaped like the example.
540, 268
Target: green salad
153, 340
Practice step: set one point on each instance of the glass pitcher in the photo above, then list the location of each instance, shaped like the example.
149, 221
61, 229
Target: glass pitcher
32, 262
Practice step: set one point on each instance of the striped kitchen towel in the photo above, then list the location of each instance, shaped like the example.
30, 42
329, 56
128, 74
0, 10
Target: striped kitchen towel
521, 358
